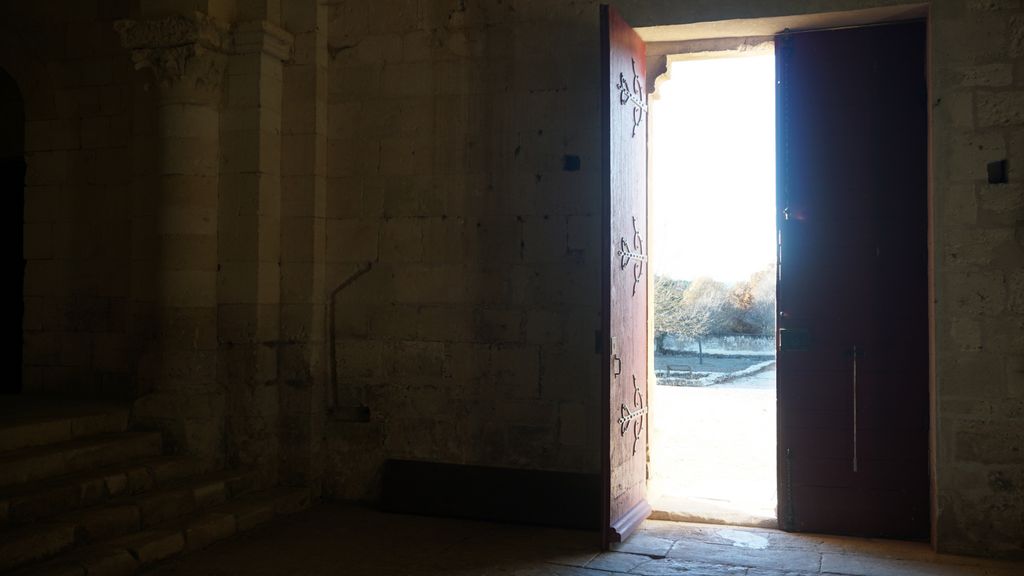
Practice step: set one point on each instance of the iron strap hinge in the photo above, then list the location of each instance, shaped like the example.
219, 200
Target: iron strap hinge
627, 416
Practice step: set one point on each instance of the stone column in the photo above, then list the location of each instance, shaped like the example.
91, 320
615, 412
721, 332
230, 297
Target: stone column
180, 392
249, 284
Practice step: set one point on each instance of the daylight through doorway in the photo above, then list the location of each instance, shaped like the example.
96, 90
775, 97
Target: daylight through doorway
712, 183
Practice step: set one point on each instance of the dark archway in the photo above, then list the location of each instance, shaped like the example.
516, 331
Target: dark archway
12, 185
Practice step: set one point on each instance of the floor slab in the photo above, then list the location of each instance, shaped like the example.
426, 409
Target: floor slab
334, 538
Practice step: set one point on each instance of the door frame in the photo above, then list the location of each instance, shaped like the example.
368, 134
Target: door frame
665, 40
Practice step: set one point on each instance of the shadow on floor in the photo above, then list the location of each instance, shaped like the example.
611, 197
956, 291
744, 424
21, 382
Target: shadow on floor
333, 539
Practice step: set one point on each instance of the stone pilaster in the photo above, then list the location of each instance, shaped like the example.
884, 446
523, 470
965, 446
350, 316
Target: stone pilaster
304, 171
249, 255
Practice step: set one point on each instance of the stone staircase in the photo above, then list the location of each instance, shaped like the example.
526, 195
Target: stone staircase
81, 494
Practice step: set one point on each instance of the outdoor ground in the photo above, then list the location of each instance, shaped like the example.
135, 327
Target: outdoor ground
712, 363
713, 448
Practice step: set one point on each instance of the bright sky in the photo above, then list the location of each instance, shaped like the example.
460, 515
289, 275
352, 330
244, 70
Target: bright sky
713, 168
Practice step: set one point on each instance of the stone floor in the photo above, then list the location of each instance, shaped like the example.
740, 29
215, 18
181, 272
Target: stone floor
334, 539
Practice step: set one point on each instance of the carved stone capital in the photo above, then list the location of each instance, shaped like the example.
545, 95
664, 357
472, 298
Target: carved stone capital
178, 49
171, 31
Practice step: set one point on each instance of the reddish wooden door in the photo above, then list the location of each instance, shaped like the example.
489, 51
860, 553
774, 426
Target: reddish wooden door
852, 292
624, 162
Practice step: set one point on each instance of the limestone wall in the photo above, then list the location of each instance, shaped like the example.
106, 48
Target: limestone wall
978, 117
81, 324
471, 340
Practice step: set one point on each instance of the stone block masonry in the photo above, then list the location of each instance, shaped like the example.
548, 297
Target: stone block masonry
447, 129
77, 92
977, 253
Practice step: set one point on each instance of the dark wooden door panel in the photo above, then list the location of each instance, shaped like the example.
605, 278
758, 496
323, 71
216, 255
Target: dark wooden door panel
839, 510
624, 162
852, 293
834, 473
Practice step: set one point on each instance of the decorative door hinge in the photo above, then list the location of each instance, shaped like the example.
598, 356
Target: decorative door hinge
636, 415
634, 253
633, 94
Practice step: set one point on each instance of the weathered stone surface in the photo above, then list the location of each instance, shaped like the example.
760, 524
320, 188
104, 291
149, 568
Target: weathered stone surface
617, 561
33, 543
290, 501
990, 446
250, 514
74, 456
152, 546
208, 529
1017, 35
1001, 204
1000, 108
770, 559
33, 434
170, 469
646, 544
108, 562
165, 505
60, 569
998, 74
106, 522
209, 494
45, 503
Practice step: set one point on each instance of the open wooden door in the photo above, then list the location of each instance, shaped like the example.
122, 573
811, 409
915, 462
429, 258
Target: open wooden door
624, 165
853, 281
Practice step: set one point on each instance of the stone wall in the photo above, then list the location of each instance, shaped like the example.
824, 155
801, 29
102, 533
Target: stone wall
81, 324
471, 340
978, 117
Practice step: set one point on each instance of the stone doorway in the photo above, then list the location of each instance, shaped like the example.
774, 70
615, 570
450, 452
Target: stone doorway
712, 183
12, 177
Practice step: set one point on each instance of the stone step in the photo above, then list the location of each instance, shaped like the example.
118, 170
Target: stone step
42, 500
122, 516
128, 555
25, 465
27, 426
255, 508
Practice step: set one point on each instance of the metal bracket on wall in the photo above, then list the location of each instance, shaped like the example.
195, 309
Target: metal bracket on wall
356, 413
